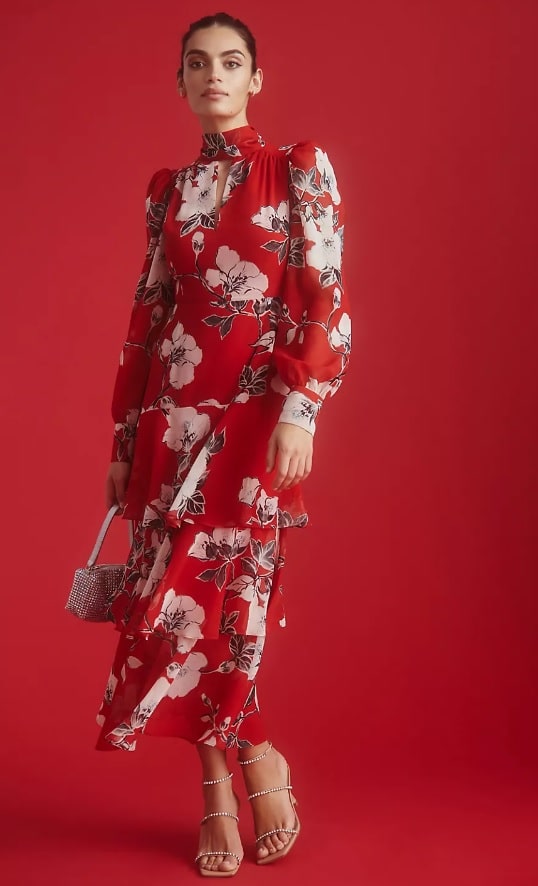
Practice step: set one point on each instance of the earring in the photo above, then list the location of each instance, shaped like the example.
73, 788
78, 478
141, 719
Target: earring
181, 91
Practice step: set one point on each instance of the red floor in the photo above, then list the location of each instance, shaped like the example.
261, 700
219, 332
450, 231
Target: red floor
116, 818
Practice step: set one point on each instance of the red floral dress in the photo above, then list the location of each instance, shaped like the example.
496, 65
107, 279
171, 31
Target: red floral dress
238, 322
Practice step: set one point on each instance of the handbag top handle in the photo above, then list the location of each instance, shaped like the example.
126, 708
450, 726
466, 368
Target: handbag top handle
102, 534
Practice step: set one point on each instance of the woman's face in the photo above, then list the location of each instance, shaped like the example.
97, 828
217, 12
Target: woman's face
217, 77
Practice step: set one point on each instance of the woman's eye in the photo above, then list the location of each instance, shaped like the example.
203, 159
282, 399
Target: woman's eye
233, 64
195, 64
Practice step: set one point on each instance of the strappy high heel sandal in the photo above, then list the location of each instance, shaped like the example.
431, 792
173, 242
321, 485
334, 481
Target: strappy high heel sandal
294, 831
209, 853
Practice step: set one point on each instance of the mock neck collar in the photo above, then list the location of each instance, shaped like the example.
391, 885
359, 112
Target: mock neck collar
230, 144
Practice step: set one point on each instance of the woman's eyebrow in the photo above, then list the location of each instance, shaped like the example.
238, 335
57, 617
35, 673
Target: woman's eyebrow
206, 54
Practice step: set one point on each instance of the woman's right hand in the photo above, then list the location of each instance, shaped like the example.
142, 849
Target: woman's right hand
117, 480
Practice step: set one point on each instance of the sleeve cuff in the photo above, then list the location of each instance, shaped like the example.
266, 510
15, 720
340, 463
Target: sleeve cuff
300, 410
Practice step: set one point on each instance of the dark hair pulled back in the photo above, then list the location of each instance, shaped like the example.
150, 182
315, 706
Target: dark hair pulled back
226, 21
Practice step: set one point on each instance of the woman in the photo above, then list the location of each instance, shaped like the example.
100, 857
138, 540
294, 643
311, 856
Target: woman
239, 330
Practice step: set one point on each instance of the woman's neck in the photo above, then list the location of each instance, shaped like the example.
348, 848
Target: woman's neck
222, 124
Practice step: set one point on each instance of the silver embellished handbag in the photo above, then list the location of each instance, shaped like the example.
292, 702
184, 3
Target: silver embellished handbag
96, 585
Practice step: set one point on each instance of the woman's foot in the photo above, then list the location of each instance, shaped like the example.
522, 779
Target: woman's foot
220, 851
273, 812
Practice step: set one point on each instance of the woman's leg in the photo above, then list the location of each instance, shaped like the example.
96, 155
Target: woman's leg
272, 811
219, 833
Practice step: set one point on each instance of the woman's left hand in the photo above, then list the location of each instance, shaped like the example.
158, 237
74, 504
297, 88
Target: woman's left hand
290, 452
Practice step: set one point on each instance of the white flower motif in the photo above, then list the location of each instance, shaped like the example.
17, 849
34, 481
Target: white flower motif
198, 241
328, 178
341, 334
198, 194
183, 354
326, 251
249, 488
147, 705
209, 547
271, 219
187, 426
186, 676
266, 508
246, 586
256, 622
181, 616
190, 483
239, 279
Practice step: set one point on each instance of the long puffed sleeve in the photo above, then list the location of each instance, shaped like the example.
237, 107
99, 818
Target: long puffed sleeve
151, 309
313, 339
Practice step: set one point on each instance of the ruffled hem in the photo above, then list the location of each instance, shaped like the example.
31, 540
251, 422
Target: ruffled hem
207, 695
196, 582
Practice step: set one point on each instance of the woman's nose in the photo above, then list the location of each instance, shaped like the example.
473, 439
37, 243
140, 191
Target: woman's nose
213, 73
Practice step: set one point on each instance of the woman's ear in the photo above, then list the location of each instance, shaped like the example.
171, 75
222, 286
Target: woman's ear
180, 85
256, 82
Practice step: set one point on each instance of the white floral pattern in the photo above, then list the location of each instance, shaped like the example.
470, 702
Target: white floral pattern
238, 279
187, 426
182, 354
182, 616
239, 320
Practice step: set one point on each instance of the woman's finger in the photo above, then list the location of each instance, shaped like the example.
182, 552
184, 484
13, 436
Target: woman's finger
290, 473
282, 463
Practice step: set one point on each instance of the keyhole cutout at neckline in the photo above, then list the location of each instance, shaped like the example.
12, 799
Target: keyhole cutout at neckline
223, 168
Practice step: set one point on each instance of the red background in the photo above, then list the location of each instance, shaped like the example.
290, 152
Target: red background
404, 690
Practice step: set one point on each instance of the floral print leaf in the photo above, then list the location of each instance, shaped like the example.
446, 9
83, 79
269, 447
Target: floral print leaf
266, 342
255, 382
296, 254
248, 565
216, 442
155, 216
208, 574
298, 179
220, 577
189, 225
228, 621
196, 504
226, 326
328, 277
267, 555
256, 549
215, 141
272, 245
239, 172
213, 320
207, 220
152, 293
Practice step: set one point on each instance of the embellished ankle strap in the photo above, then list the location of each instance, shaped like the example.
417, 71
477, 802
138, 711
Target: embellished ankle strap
258, 757
218, 780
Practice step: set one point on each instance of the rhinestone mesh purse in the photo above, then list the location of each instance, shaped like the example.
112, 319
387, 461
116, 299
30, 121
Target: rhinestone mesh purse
96, 585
